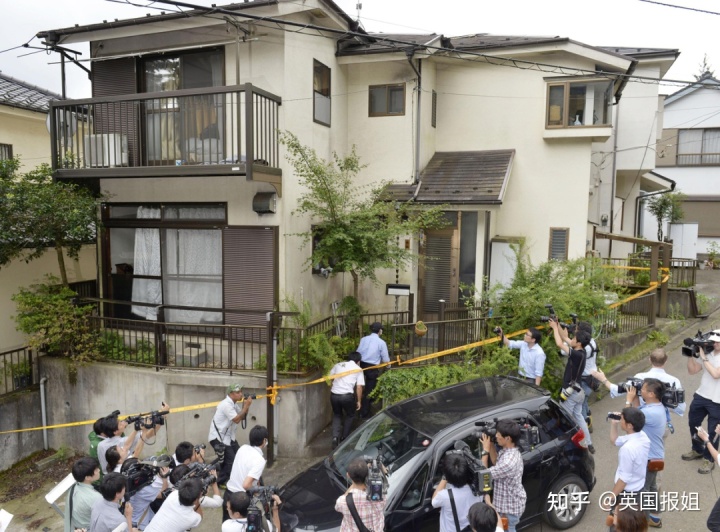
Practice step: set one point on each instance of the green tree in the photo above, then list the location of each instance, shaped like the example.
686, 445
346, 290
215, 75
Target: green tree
357, 229
37, 212
666, 208
706, 70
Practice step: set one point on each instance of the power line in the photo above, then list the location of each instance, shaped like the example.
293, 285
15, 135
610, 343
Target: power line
681, 7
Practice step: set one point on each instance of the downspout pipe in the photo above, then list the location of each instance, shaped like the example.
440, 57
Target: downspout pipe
43, 407
418, 72
640, 199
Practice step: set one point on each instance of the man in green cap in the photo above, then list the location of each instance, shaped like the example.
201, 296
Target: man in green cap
222, 428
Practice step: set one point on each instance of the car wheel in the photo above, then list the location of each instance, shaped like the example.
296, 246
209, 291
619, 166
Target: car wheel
565, 505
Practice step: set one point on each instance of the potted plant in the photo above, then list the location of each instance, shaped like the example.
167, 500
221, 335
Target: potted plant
20, 373
713, 260
420, 328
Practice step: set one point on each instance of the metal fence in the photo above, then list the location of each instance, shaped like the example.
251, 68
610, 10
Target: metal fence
682, 271
18, 369
631, 316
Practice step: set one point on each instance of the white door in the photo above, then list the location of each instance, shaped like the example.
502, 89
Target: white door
685, 238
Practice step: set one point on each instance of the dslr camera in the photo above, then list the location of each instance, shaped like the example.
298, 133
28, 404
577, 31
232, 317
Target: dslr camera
497, 330
552, 316
692, 346
199, 447
569, 390
630, 382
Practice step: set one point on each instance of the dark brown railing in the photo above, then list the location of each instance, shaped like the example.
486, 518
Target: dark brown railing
17, 367
628, 317
204, 131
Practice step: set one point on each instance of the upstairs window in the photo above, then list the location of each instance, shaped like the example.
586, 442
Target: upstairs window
321, 93
6, 152
387, 100
698, 147
579, 103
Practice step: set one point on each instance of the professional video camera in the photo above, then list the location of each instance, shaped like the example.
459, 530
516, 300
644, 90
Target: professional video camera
631, 382
481, 478
691, 347
260, 507
486, 427
140, 473
204, 472
148, 420
672, 396
376, 483
552, 316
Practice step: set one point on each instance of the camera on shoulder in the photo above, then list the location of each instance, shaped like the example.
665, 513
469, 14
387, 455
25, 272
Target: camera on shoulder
570, 390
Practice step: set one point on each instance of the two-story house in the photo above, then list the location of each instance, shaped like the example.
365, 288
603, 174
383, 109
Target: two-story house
181, 133
689, 154
24, 134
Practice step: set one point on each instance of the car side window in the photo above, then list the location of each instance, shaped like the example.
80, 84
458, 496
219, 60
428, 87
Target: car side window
413, 497
553, 423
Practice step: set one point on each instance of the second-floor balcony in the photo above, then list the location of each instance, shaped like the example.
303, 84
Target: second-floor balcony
216, 131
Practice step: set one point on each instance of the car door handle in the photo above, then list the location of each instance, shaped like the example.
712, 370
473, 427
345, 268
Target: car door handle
547, 460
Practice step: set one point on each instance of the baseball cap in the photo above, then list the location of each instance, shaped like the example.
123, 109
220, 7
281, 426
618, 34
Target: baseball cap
714, 337
236, 387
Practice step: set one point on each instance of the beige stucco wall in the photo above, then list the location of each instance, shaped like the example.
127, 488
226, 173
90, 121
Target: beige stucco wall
27, 133
20, 274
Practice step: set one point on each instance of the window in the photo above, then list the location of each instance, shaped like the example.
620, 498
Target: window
579, 103
698, 146
433, 119
6, 152
321, 93
166, 255
386, 100
703, 210
559, 237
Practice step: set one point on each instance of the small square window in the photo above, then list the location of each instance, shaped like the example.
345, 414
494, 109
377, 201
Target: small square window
6, 152
387, 100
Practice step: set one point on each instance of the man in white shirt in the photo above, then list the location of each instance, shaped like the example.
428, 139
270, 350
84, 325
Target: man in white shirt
181, 510
222, 427
531, 363
114, 428
706, 401
248, 466
346, 396
632, 456
456, 480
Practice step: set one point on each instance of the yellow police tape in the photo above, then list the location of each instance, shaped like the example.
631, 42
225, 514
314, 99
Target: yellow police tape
273, 390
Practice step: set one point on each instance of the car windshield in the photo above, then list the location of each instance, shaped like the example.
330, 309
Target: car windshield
395, 442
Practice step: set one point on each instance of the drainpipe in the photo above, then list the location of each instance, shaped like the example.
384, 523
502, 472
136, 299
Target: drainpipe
641, 199
43, 406
614, 176
418, 69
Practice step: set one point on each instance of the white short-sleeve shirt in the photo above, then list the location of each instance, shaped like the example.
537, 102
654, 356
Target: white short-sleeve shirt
249, 462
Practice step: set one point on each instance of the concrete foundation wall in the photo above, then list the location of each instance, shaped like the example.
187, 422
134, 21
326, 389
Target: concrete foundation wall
100, 388
20, 411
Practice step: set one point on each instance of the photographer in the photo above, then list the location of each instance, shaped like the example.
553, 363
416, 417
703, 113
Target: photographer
706, 401
249, 464
531, 363
453, 494
632, 455
484, 518
183, 471
105, 515
222, 428
82, 495
588, 382
713, 522
509, 494
370, 514
658, 358
142, 498
572, 393
187, 453
181, 510
238, 505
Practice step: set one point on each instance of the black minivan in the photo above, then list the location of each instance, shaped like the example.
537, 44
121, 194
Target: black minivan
412, 437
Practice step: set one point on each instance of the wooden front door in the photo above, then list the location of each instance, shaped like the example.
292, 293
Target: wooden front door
438, 273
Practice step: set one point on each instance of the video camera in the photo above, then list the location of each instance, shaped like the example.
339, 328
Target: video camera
486, 427
376, 483
691, 347
631, 382
155, 417
482, 481
260, 505
203, 472
140, 473
671, 396
552, 316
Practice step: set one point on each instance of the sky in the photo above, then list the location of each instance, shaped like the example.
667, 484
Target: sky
633, 23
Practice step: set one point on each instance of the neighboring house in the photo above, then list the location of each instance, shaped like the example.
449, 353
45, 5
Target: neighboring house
24, 134
689, 154
181, 133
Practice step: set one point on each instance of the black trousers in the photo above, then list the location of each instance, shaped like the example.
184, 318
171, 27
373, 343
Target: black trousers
223, 474
343, 405
371, 377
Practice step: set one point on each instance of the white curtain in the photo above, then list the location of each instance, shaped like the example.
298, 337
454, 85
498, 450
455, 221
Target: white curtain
147, 262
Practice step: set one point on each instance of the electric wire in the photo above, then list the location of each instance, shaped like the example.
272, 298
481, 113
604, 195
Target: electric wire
705, 11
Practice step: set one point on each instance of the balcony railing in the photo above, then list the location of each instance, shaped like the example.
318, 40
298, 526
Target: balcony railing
211, 131
17, 369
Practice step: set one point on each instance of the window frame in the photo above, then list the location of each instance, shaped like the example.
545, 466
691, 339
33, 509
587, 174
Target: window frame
325, 76
566, 85
6, 152
566, 230
702, 154
433, 112
387, 87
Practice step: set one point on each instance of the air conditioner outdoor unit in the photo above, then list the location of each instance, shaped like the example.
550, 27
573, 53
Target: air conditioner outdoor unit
106, 150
